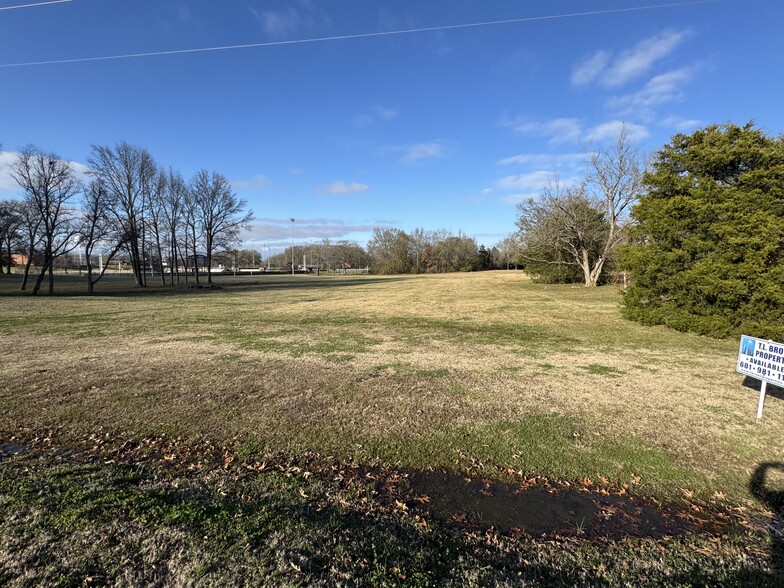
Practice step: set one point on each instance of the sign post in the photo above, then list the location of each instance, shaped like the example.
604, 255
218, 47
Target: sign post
764, 360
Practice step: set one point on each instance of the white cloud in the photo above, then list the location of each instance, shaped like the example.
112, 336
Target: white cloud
545, 160
8, 184
589, 69
680, 124
518, 198
296, 17
530, 181
487, 191
277, 231
609, 71
344, 188
660, 89
387, 113
609, 131
637, 61
418, 152
256, 183
379, 113
558, 130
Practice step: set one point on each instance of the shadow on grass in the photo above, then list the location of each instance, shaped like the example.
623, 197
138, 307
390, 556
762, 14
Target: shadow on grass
772, 498
71, 522
122, 286
756, 385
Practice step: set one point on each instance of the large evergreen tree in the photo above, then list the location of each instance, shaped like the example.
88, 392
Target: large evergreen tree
709, 243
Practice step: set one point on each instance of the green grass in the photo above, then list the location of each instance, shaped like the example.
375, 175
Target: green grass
476, 374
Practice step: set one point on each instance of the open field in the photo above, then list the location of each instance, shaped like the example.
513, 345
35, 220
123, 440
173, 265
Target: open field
483, 375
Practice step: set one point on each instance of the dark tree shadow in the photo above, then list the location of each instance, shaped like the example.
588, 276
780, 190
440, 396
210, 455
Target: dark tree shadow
756, 385
773, 499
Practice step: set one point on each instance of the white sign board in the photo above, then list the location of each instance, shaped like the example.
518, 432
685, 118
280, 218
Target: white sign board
763, 360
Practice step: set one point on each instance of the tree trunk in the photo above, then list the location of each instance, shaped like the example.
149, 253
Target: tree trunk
585, 264
596, 272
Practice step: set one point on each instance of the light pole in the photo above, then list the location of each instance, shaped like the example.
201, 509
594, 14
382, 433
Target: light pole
292, 246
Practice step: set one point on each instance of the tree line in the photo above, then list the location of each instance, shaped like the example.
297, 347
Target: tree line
393, 251
130, 204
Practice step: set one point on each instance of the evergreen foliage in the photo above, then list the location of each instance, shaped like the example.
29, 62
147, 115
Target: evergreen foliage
708, 252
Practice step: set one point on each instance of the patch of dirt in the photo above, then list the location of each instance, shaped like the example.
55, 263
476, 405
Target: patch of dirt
545, 509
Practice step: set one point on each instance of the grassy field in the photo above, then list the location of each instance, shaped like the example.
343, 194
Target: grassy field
412, 389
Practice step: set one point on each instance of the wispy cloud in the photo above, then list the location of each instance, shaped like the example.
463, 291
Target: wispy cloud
680, 124
661, 89
418, 152
609, 131
421, 151
563, 130
557, 130
278, 231
612, 71
8, 184
589, 68
256, 183
545, 160
298, 16
533, 181
377, 114
343, 188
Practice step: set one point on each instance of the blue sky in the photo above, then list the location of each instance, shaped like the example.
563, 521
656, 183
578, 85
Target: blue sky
441, 129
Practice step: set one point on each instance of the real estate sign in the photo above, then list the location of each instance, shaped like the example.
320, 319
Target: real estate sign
761, 359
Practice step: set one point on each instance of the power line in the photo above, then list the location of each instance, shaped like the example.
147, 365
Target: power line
356, 36
34, 4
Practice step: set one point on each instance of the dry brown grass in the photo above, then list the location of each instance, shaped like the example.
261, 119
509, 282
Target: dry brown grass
396, 369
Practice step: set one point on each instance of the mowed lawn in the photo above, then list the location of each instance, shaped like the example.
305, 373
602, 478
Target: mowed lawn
482, 372
445, 430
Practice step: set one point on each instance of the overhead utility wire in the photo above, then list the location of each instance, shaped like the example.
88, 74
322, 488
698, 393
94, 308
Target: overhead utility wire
358, 35
34, 4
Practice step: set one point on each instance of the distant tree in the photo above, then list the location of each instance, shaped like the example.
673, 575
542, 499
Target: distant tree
485, 259
563, 235
48, 184
158, 198
30, 236
421, 243
98, 234
10, 231
389, 251
125, 171
708, 252
454, 253
508, 251
175, 199
220, 214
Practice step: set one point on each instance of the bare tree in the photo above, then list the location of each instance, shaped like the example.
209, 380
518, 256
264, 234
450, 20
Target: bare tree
615, 178
48, 184
173, 203
30, 238
583, 226
221, 214
124, 171
98, 233
157, 201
